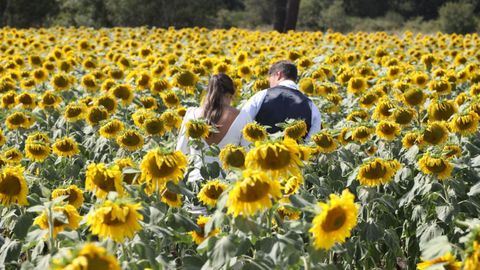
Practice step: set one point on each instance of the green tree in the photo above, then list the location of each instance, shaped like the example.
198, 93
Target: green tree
457, 18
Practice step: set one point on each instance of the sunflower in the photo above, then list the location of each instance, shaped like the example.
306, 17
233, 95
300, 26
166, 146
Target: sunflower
296, 130
73, 193
61, 82
452, 150
325, 142
410, 139
126, 163
420, 79
441, 110
103, 180
3, 138
336, 220
49, 100
279, 159
154, 126
170, 120
111, 129
89, 257
197, 129
292, 185
362, 134
377, 171
211, 191
199, 236
65, 147
123, 92
306, 85
447, 261
388, 130
158, 167
358, 116
37, 152
465, 124
185, 79
170, 99
171, 198
403, 116
159, 85
368, 100
260, 84
115, 220
13, 155
435, 133
254, 132
413, 97
149, 103
89, 83
232, 156
27, 100
357, 85
131, 140
437, 166
64, 217
18, 120
140, 115
108, 102
441, 87
13, 187
253, 193
144, 80
9, 100
384, 109
74, 112
96, 114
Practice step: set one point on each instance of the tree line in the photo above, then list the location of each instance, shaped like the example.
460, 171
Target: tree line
281, 15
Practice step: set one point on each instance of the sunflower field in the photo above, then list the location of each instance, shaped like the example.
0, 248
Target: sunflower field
90, 178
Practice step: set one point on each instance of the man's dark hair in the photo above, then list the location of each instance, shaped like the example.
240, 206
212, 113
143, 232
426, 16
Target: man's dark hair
287, 68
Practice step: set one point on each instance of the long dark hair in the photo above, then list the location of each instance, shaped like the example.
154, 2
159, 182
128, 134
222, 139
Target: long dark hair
219, 85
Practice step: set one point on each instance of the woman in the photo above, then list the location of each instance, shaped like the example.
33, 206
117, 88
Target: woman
218, 113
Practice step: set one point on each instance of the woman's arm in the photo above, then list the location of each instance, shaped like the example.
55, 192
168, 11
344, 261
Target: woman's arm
182, 142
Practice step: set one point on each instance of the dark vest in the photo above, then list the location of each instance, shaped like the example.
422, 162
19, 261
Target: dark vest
282, 103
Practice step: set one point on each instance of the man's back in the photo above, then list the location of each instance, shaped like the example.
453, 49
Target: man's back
282, 103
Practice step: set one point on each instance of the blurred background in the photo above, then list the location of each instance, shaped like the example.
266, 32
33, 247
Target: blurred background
282, 15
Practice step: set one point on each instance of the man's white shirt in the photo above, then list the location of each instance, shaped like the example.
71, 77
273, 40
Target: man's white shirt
255, 102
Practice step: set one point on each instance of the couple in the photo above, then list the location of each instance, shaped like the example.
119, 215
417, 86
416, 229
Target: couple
269, 107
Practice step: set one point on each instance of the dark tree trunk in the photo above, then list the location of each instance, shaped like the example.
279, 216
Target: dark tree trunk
280, 12
293, 7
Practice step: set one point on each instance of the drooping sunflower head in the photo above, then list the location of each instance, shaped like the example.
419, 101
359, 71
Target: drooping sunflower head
325, 142
211, 191
232, 156
96, 114
410, 139
123, 92
362, 134
435, 133
197, 129
336, 220
61, 81
279, 159
13, 186
37, 152
404, 116
436, 166
253, 193
18, 120
111, 129
102, 180
27, 100
73, 193
108, 102
358, 116
49, 100
131, 140
254, 132
65, 147
65, 216
465, 124
441, 110
200, 236
169, 197
89, 83
171, 120
441, 87
296, 130
307, 86
154, 126
158, 167
413, 97
185, 79
452, 150
90, 256
357, 85
388, 130
74, 112
377, 171
13, 155
384, 109
292, 185
149, 103
116, 220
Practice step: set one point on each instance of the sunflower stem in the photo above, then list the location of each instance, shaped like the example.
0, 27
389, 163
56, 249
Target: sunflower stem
51, 239
306, 263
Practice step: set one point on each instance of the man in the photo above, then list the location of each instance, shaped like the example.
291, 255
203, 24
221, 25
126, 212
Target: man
283, 101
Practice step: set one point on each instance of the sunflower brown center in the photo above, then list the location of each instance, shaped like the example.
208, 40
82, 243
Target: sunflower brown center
108, 219
375, 170
255, 192
103, 181
335, 219
131, 139
433, 135
10, 185
275, 159
436, 166
161, 171
213, 192
65, 146
236, 158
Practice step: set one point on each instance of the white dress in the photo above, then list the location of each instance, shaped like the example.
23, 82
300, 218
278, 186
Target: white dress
232, 136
